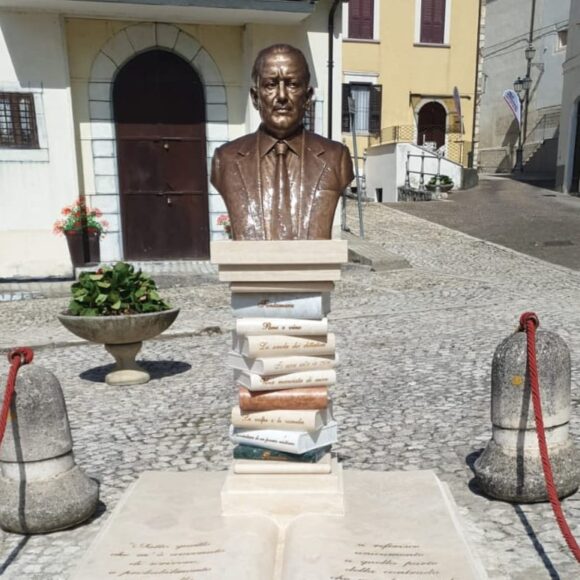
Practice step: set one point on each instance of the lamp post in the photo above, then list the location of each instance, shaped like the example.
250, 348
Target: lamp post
529, 53
522, 88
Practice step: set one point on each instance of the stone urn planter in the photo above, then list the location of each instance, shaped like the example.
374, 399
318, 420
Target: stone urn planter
123, 337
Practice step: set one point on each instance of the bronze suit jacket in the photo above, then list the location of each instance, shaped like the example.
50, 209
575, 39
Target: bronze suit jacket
327, 170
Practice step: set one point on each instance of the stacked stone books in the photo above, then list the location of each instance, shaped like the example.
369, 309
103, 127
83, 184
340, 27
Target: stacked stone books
284, 362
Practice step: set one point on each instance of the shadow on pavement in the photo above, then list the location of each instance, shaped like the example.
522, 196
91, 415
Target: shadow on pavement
536, 543
157, 369
14, 554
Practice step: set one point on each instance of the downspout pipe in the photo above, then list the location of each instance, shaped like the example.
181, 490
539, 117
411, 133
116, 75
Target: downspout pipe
478, 57
331, 16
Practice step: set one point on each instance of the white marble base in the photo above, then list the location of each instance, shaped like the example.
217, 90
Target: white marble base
284, 495
170, 525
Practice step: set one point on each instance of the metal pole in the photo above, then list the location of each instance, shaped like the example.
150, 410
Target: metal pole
520, 149
422, 175
352, 111
528, 73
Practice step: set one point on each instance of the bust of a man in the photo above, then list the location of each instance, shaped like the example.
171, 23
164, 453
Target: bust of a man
281, 182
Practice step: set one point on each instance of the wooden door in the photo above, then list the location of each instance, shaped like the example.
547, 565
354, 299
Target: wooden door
431, 125
159, 113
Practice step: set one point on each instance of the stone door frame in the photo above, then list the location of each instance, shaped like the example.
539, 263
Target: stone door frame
120, 48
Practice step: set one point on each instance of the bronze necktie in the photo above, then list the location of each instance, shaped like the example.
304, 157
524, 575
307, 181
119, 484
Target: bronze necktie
281, 209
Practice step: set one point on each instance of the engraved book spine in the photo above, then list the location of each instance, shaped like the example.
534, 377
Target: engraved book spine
311, 306
256, 382
286, 326
290, 441
303, 420
281, 365
277, 345
291, 399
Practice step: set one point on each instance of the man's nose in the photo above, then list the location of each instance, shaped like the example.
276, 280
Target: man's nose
282, 92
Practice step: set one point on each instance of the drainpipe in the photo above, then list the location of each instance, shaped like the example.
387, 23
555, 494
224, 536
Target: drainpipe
331, 15
475, 121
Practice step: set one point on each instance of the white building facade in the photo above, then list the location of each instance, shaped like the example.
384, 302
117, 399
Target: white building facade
512, 27
568, 167
124, 103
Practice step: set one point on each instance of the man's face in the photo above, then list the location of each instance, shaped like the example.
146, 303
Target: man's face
282, 94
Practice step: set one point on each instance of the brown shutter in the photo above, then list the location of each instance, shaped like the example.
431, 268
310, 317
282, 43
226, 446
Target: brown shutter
375, 102
360, 19
433, 21
345, 114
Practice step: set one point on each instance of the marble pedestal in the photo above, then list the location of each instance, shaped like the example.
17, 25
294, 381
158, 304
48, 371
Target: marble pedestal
284, 496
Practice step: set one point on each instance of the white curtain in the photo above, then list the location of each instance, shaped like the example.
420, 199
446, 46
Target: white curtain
361, 96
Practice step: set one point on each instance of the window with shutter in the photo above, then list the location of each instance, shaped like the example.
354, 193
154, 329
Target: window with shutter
345, 115
361, 19
376, 98
367, 107
433, 21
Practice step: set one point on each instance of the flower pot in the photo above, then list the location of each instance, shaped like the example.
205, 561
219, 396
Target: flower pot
441, 187
123, 337
83, 248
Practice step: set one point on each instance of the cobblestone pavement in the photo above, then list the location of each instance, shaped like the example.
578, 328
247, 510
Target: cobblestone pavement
520, 215
413, 393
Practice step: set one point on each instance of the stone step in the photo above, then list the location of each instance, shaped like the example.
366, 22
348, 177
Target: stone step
373, 255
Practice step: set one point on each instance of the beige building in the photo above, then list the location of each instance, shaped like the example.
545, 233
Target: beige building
124, 102
411, 67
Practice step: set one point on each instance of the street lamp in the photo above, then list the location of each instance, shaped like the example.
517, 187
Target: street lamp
521, 87
530, 52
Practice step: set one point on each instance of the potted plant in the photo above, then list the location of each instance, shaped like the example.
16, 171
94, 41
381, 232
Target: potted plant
119, 307
440, 183
224, 221
82, 227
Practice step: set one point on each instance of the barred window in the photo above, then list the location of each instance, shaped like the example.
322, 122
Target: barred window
310, 117
18, 121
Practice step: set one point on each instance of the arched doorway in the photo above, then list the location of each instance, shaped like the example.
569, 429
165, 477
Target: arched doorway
431, 124
159, 113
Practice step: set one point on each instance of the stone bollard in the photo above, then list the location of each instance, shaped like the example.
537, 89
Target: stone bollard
510, 467
41, 488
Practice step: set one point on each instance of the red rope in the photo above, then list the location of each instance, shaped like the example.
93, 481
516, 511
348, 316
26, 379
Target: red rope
17, 357
528, 323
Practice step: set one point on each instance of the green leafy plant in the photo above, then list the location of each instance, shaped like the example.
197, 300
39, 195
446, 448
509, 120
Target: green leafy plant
111, 291
440, 180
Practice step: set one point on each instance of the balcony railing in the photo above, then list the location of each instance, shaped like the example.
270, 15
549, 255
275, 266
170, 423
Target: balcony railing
454, 148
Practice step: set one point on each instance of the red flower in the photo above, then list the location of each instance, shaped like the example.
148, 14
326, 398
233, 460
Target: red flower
79, 215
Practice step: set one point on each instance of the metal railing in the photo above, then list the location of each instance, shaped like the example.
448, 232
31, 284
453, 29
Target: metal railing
422, 173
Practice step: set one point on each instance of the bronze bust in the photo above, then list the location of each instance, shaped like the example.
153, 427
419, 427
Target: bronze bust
281, 182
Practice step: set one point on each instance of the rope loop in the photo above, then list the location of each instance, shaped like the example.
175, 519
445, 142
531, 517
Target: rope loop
532, 372
17, 357
24, 353
528, 317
